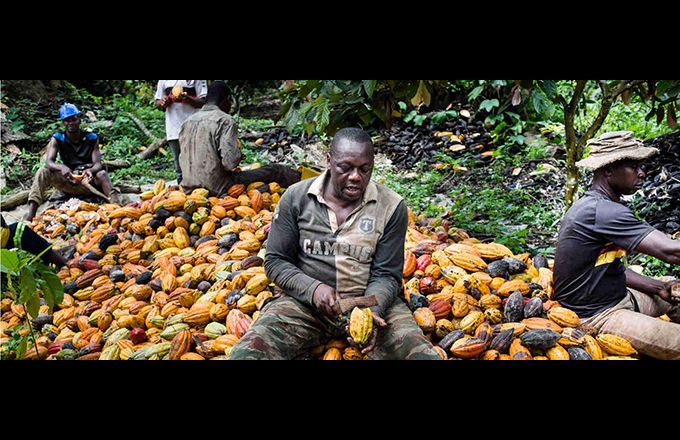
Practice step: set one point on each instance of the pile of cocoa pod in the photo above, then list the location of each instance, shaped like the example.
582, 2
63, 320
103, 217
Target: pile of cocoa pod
180, 277
175, 276
480, 301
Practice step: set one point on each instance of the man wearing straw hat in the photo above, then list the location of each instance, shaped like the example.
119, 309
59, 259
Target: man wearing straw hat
597, 232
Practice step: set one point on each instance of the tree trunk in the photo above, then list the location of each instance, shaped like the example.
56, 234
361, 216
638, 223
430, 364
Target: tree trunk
115, 164
18, 199
155, 144
158, 143
574, 153
573, 175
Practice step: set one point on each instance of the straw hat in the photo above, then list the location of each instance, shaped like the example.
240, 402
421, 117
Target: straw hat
613, 146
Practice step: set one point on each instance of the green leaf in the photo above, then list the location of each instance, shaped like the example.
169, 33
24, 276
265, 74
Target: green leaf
21, 349
409, 117
540, 103
489, 104
550, 88
9, 262
308, 86
475, 93
444, 116
27, 285
419, 119
292, 119
55, 289
323, 114
33, 305
369, 86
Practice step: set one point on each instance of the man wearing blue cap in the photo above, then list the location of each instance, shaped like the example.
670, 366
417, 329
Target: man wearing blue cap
80, 161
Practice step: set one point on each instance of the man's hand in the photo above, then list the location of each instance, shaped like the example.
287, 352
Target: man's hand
165, 102
325, 299
87, 175
671, 291
66, 172
378, 323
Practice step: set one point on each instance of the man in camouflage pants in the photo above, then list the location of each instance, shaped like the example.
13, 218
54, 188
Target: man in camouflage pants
337, 236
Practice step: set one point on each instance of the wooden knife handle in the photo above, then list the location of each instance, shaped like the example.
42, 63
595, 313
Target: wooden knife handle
347, 304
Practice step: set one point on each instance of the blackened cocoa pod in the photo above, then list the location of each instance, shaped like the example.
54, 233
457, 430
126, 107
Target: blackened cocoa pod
534, 286
501, 343
107, 240
232, 298
156, 285
70, 287
190, 284
533, 308
498, 269
540, 261
540, 339
41, 320
227, 241
117, 275
449, 339
578, 354
252, 261
202, 240
418, 301
162, 214
514, 307
515, 265
144, 278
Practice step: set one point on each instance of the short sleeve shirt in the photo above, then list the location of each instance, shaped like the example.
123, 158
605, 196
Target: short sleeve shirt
178, 112
596, 233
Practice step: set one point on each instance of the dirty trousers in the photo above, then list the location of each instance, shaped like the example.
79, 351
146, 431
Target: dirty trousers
287, 329
45, 179
649, 335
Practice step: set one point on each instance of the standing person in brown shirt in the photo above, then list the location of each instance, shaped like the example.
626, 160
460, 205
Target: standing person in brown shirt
211, 151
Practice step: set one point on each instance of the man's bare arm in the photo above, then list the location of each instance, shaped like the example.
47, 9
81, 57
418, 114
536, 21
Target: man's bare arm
659, 245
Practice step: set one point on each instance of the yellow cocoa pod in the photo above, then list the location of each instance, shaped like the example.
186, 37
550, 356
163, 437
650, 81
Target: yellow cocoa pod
360, 325
159, 187
593, 348
563, 317
177, 91
615, 345
256, 285
333, 354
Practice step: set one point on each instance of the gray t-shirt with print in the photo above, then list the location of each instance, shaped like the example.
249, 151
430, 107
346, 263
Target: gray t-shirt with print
596, 233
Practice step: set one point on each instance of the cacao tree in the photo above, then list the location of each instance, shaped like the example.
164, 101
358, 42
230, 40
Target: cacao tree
663, 95
325, 106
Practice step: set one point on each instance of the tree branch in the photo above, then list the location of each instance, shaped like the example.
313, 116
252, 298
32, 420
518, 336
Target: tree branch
142, 127
152, 148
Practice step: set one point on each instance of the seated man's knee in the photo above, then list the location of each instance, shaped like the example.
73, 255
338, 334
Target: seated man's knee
100, 176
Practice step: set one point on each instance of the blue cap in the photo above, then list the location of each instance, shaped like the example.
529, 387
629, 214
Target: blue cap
67, 110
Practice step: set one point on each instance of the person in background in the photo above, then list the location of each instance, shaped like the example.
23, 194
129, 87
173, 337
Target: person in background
80, 159
597, 232
211, 151
179, 98
20, 236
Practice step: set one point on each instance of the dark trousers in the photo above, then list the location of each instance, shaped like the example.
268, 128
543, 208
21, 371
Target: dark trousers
281, 174
175, 148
